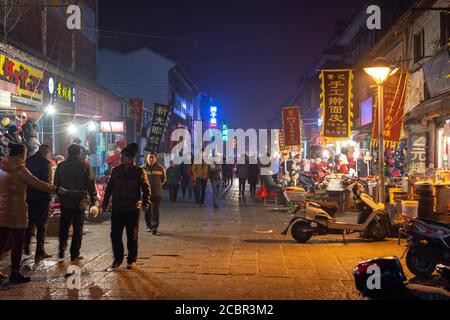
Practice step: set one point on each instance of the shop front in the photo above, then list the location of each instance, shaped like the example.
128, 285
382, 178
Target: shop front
428, 128
97, 126
59, 100
21, 100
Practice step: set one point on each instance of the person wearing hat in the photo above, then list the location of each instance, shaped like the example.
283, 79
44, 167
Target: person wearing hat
76, 176
130, 191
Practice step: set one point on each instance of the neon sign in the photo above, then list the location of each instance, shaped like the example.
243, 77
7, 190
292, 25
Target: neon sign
213, 117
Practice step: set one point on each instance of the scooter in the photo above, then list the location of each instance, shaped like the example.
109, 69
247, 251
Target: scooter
428, 245
384, 278
309, 219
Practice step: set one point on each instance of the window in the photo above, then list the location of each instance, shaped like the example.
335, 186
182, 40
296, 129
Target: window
419, 46
445, 28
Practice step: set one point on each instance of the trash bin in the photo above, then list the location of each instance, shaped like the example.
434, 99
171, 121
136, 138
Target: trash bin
410, 209
423, 193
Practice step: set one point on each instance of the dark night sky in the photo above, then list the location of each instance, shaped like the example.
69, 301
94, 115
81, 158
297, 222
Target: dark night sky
249, 53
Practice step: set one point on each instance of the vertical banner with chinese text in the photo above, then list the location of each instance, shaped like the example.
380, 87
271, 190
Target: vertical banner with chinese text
394, 107
292, 131
337, 104
136, 111
160, 116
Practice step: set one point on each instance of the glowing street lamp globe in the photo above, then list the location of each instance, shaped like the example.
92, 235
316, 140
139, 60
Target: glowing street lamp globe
71, 129
380, 70
50, 110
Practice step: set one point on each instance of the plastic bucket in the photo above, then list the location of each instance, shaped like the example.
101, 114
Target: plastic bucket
410, 209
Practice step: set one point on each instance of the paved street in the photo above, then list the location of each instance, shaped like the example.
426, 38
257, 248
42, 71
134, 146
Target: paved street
236, 252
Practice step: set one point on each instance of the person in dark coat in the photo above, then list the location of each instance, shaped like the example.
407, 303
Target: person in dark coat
186, 183
76, 176
253, 176
38, 201
130, 191
242, 173
157, 177
173, 181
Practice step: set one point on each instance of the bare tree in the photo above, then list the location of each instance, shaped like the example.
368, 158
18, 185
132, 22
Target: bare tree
13, 11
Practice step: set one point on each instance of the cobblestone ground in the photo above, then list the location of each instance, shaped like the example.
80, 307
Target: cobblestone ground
236, 252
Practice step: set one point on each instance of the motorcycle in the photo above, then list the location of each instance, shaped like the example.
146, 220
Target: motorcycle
309, 219
428, 245
384, 278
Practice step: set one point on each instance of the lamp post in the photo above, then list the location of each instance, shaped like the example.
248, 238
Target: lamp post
380, 70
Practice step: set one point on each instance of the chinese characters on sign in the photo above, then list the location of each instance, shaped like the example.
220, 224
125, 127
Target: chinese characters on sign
417, 153
136, 111
213, 117
337, 104
394, 106
160, 115
59, 91
29, 80
292, 131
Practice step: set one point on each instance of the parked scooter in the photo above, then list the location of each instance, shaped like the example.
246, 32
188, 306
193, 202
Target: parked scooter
428, 245
391, 283
310, 219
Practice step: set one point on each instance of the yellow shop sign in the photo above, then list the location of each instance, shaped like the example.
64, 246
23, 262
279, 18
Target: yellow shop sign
29, 80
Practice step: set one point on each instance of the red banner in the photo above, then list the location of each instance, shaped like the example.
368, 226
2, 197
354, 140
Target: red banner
337, 104
137, 111
394, 107
292, 130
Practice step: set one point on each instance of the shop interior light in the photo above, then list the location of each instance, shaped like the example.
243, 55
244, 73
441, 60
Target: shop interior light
380, 70
92, 126
50, 110
72, 129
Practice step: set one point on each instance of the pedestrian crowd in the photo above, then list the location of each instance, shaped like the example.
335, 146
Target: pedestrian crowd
29, 185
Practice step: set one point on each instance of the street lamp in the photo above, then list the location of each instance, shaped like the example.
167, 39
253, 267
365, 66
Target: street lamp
380, 70
50, 110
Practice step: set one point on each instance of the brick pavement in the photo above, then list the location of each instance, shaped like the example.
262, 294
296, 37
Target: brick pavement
236, 252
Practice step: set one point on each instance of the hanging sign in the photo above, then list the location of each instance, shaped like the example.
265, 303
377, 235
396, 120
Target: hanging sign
136, 111
292, 131
337, 104
160, 116
394, 107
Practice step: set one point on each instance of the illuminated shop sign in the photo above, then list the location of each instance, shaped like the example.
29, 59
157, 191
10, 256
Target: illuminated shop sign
29, 80
213, 117
112, 127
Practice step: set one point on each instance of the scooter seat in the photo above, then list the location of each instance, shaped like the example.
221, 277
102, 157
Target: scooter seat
442, 222
329, 207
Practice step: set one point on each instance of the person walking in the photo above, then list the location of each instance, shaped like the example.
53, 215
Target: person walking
200, 172
215, 177
242, 174
38, 202
173, 181
253, 176
130, 191
14, 180
157, 177
186, 183
76, 176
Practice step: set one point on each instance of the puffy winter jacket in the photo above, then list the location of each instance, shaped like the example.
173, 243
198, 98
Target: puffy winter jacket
129, 188
14, 180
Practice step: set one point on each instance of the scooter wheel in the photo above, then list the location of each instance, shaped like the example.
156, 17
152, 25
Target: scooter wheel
418, 266
301, 231
377, 231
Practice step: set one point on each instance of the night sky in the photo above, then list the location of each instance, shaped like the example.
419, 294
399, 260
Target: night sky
247, 54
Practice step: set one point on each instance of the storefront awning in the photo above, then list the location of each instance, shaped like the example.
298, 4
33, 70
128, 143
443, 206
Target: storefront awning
438, 106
